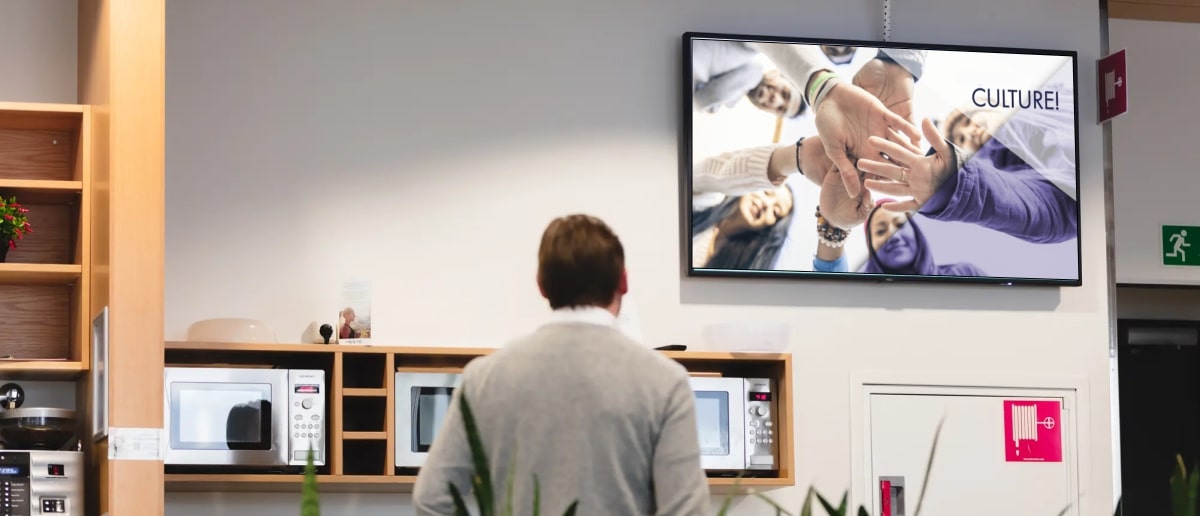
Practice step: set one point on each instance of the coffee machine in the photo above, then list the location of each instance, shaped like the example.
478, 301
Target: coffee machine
41, 467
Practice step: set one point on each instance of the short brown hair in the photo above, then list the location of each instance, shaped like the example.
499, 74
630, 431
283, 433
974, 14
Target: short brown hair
580, 262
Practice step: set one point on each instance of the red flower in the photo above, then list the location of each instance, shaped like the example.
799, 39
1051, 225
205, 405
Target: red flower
12, 244
8, 217
23, 210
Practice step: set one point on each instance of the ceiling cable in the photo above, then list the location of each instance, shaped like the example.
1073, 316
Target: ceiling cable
887, 20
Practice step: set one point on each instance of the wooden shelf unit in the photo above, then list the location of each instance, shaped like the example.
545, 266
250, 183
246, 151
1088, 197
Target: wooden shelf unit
45, 163
361, 433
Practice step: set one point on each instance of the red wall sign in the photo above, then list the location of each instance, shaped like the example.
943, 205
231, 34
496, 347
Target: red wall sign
1032, 431
1112, 82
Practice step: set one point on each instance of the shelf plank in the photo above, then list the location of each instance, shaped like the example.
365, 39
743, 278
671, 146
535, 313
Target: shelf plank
41, 191
380, 483
712, 356
364, 436
39, 273
41, 370
289, 483
380, 392
37, 116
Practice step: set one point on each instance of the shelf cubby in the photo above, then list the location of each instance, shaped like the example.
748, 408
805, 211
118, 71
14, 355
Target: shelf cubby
44, 280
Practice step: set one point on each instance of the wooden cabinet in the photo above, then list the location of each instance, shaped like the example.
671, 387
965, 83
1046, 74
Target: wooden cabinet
44, 164
361, 433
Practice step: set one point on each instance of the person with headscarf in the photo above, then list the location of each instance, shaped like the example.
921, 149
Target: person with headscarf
896, 245
993, 189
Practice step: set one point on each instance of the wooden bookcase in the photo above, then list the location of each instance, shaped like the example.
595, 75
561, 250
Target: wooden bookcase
360, 427
44, 162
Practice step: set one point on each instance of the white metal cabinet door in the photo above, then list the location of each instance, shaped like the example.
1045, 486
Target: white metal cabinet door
970, 472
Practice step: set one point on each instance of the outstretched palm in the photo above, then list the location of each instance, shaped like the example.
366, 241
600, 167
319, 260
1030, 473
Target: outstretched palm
852, 124
911, 174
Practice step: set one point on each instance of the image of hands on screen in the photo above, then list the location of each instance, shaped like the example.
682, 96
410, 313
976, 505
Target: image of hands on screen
884, 161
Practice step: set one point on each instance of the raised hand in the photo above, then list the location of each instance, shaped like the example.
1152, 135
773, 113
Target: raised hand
910, 174
890, 83
853, 124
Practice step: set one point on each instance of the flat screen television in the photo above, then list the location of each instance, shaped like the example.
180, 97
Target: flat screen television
880, 161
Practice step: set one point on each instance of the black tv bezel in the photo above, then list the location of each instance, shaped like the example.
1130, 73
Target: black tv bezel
687, 164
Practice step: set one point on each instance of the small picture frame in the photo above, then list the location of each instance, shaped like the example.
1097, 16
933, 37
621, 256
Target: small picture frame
354, 313
99, 375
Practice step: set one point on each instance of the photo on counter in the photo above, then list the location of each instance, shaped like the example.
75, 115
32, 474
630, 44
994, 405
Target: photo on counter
821, 158
354, 317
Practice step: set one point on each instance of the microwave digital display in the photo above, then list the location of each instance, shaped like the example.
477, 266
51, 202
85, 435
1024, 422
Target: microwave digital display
10, 470
760, 396
308, 389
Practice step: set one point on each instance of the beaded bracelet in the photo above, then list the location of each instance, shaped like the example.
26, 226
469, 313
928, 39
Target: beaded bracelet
830, 236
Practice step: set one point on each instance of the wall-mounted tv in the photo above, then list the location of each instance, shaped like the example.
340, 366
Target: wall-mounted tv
880, 161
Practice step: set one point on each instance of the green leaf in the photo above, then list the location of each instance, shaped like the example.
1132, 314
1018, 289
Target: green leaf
571, 509
1184, 489
508, 489
537, 496
778, 508
460, 506
1064, 511
310, 499
482, 481
807, 509
862, 511
829, 507
724, 510
929, 466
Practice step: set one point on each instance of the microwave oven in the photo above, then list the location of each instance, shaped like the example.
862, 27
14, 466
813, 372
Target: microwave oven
734, 421
422, 401
244, 417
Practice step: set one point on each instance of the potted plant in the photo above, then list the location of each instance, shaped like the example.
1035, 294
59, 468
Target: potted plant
13, 225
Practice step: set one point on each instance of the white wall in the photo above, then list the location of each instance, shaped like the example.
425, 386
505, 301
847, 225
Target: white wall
37, 50
1154, 162
426, 144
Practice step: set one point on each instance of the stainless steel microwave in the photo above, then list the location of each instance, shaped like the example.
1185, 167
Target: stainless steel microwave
244, 417
735, 425
422, 401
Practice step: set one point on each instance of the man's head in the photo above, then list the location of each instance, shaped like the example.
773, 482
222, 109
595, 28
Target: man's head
581, 263
777, 95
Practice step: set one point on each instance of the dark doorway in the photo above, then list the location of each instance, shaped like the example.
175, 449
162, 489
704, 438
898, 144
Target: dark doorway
1159, 373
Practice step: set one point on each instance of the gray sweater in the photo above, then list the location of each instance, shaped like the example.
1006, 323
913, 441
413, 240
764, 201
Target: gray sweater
595, 416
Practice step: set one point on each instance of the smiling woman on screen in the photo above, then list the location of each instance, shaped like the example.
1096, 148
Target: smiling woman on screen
897, 246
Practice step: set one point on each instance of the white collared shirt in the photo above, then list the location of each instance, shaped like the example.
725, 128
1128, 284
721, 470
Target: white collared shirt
584, 314
627, 322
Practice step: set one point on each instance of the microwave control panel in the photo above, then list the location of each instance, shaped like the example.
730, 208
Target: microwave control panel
306, 416
760, 439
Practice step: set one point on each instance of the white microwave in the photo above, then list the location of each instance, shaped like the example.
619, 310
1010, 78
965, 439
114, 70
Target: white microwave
733, 418
244, 417
422, 401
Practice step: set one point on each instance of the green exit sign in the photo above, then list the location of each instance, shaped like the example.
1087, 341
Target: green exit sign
1177, 248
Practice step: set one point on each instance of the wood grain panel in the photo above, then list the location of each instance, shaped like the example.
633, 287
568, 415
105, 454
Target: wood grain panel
53, 237
36, 321
40, 116
37, 154
1188, 12
121, 61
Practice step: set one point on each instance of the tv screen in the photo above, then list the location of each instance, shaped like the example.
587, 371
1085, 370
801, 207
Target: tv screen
815, 158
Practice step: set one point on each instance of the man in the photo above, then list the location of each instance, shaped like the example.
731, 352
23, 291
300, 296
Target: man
725, 71
594, 416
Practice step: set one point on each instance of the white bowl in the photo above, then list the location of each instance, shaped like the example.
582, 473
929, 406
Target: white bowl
761, 337
231, 330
